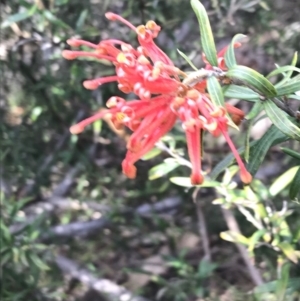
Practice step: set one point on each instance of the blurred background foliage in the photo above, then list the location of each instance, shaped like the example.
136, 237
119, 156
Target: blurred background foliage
74, 228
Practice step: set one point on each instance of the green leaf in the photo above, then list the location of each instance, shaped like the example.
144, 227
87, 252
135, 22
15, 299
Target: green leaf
255, 110
256, 236
281, 120
281, 287
283, 69
289, 73
283, 181
53, 19
234, 237
247, 140
5, 259
288, 88
81, 20
291, 153
38, 262
19, 17
239, 92
295, 187
187, 60
252, 78
217, 97
229, 57
186, 182
293, 284
152, 154
259, 150
162, 169
206, 36
215, 92
289, 251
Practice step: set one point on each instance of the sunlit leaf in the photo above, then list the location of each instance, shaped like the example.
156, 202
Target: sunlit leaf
283, 181
162, 169
289, 251
152, 154
234, 237
295, 186
186, 182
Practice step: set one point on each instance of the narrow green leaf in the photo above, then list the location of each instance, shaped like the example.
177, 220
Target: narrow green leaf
289, 73
239, 92
259, 150
255, 110
295, 187
53, 19
215, 92
234, 237
38, 262
229, 57
270, 287
81, 20
289, 251
283, 181
152, 154
283, 69
206, 36
281, 120
247, 140
187, 59
256, 236
291, 152
281, 287
19, 17
216, 95
162, 169
288, 88
252, 78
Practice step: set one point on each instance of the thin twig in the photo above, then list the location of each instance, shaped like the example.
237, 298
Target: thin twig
202, 226
234, 227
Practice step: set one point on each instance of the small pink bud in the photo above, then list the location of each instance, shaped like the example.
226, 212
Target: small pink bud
74, 42
197, 178
76, 129
111, 16
246, 177
69, 55
129, 169
91, 84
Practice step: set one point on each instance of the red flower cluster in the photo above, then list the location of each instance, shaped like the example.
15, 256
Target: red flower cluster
149, 73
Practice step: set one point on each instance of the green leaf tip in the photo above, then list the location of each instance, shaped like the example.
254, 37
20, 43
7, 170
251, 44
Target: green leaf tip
206, 36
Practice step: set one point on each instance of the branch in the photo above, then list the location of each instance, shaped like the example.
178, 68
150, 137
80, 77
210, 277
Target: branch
105, 287
233, 226
82, 229
202, 225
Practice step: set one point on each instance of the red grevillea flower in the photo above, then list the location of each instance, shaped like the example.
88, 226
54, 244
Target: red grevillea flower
162, 98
